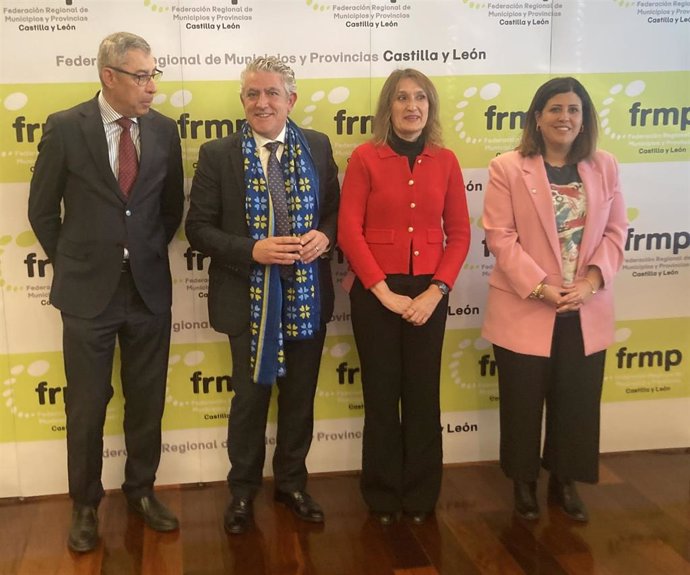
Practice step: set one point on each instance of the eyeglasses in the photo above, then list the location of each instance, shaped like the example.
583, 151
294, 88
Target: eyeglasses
140, 79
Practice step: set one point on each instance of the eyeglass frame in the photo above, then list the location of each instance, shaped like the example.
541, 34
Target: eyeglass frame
140, 79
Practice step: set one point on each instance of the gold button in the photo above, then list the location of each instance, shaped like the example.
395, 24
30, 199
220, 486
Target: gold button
411, 182
410, 229
416, 252
413, 205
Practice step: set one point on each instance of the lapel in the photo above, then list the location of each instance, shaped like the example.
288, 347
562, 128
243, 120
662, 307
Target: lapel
592, 180
148, 142
237, 162
539, 191
94, 135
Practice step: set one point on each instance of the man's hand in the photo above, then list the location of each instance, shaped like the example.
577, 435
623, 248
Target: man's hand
314, 243
283, 250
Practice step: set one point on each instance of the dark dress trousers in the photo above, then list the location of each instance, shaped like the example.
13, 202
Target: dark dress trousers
84, 223
216, 226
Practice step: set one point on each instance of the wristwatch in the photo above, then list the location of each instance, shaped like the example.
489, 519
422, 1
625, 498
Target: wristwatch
442, 286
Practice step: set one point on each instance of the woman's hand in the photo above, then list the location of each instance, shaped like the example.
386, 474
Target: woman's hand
390, 300
569, 297
574, 295
423, 306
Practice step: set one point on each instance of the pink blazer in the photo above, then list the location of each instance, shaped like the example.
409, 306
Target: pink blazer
520, 228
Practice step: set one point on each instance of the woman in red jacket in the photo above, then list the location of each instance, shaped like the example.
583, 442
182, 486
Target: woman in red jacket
404, 228
555, 220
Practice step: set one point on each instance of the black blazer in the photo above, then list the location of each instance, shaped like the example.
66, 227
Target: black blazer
85, 240
216, 226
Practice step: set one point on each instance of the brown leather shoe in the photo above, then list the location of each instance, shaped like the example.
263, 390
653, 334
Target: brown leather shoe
238, 516
156, 515
302, 505
83, 533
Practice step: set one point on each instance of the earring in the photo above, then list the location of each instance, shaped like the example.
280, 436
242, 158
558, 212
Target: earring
538, 128
582, 129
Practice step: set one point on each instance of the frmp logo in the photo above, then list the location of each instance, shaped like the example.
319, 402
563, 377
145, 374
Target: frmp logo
202, 384
672, 116
22, 259
486, 93
666, 358
474, 5
657, 241
318, 6
30, 388
194, 260
346, 373
626, 101
35, 266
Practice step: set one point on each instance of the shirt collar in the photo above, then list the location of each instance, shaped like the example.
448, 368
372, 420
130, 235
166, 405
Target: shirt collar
108, 114
261, 141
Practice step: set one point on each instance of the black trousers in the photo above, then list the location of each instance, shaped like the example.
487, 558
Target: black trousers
402, 458
88, 346
569, 384
249, 414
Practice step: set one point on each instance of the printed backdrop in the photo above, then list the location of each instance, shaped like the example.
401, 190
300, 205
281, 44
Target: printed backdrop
487, 59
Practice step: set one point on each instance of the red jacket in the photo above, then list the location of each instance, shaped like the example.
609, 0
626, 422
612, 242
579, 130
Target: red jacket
390, 215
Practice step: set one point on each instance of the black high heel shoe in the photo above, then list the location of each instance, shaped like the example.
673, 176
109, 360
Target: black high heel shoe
563, 493
525, 495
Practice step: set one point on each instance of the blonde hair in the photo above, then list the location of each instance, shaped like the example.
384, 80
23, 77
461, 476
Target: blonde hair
382, 120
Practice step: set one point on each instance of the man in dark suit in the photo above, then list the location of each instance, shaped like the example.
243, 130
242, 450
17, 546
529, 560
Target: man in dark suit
264, 205
106, 198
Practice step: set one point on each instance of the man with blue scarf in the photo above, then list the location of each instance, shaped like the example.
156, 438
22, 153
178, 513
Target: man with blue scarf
264, 207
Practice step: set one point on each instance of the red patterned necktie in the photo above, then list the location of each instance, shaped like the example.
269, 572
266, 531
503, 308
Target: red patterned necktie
128, 163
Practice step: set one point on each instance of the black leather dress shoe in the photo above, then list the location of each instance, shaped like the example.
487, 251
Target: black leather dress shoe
418, 517
563, 493
387, 518
83, 533
156, 515
302, 505
238, 516
525, 495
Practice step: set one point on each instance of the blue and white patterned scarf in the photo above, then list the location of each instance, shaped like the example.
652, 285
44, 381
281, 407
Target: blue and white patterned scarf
281, 309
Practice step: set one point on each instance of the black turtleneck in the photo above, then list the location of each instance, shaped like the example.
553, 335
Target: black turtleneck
409, 149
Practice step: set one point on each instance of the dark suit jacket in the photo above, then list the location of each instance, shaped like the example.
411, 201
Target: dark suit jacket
216, 226
85, 239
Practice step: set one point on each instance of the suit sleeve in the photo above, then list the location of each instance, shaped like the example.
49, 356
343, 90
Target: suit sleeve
456, 225
353, 208
498, 220
204, 224
47, 187
172, 200
328, 210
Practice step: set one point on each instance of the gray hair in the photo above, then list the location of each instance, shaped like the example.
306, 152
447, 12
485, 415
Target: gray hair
273, 65
113, 49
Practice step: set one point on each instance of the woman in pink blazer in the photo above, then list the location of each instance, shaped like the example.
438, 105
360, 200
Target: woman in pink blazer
555, 221
404, 228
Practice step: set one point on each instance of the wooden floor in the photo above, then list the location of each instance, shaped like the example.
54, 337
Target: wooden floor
640, 524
